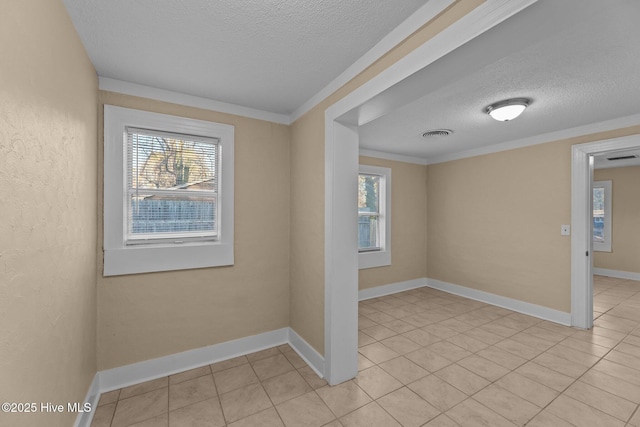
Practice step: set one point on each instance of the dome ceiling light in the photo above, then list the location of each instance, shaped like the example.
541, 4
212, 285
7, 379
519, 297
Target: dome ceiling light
508, 109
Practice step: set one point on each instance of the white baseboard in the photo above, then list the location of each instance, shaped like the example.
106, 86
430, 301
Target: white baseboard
617, 273
93, 397
504, 302
308, 353
123, 376
393, 288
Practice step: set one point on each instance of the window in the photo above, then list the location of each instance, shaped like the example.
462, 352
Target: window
602, 216
168, 192
374, 216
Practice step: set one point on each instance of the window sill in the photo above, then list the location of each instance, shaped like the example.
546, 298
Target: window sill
374, 259
146, 259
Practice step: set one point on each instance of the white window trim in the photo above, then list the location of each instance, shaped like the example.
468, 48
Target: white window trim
382, 257
121, 259
606, 245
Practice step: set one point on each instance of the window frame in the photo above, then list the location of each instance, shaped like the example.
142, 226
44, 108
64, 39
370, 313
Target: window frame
379, 257
606, 245
120, 258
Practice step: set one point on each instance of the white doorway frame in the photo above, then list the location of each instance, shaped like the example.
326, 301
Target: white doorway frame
341, 166
581, 239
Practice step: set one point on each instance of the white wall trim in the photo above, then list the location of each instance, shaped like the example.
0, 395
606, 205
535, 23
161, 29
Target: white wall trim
504, 302
93, 397
127, 88
341, 165
630, 275
395, 37
123, 376
308, 353
591, 128
390, 156
393, 288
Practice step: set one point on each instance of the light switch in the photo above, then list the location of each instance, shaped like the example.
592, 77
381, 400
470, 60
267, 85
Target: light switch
565, 230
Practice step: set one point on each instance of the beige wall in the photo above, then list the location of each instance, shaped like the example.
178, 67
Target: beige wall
307, 178
493, 221
145, 316
48, 128
625, 224
408, 225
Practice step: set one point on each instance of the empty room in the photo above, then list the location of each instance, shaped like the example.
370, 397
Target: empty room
320, 213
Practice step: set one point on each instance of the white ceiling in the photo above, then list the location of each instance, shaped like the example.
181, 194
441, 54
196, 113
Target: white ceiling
270, 55
578, 60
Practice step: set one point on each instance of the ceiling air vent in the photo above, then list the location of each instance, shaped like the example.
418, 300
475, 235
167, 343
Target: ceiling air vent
623, 157
435, 133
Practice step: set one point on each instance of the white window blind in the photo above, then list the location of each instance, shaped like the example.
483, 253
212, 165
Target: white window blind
173, 189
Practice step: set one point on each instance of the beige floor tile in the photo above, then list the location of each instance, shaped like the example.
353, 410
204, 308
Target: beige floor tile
311, 377
635, 419
307, 410
545, 376
623, 359
159, 421
334, 423
527, 389
144, 387
498, 329
532, 341
519, 349
579, 414
267, 418
376, 382
619, 371
343, 398
449, 350
271, 366
429, 360
471, 413
408, 408
456, 325
442, 421
400, 344
380, 317
483, 367
613, 385
363, 362
227, 364
364, 339
191, 391
379, 332
206, 413
109, 397
501, 357
484, 336
263, 354
560, 365
575, 356
517, 410
467, 342
422, 337
399, 326
141, 407
285, 387
190, 374
365, 322
368, 416
103, 415
602, 400
378, 352
404, 370
243, 402
234, 378
440, 330
462, 379
546, 334
295, 359
437, 392
547, 419
585, 346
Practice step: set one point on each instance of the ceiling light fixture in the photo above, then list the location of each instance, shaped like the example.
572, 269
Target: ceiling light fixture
508, 109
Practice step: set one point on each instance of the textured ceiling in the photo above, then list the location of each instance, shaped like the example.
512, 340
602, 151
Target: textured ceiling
271, 55
578, 60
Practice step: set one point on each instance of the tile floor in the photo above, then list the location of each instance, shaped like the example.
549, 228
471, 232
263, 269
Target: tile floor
427, 358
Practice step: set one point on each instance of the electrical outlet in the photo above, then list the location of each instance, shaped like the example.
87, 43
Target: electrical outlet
565, 230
